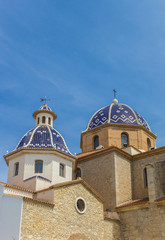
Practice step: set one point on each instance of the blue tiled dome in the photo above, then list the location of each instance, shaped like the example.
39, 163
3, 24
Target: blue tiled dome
118, 114
43, 137
45, 107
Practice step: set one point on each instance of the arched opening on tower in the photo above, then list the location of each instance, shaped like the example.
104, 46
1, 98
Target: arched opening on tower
145, 177
96, 141
78, 173
43, 119
148, 144
124, 140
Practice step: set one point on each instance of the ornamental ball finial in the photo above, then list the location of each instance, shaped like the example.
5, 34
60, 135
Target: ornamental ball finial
115, 101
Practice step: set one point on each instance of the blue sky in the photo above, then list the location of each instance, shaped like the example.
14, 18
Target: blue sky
76, 52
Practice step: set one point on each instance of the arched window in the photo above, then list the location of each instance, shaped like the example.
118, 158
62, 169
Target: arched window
145, 177
49, 121
38, 120
16, 169
43, 119
38, 166
124, 140
148, 144
96, 142
62, 170
78, 173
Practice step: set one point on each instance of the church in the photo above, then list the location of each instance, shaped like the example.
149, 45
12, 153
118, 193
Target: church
113, 190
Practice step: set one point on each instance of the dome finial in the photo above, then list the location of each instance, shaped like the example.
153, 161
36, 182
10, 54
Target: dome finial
115, 101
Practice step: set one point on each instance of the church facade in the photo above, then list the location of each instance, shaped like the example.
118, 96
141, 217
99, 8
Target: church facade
114, 189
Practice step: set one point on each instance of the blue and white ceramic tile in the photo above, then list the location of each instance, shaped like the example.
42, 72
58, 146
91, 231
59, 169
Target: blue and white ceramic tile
117, 113
43, 137
45, 107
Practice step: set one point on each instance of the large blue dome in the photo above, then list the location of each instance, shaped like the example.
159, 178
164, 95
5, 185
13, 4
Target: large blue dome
118, 114
43, 137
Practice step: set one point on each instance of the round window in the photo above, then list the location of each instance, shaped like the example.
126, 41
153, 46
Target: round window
80, 205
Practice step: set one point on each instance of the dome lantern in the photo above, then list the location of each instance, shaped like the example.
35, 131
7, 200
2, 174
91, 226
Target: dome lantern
44, 116
43, 136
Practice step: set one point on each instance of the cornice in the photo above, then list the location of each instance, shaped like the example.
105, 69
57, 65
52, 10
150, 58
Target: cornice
25, 150
160, 201
104, 152
77, 181
123, 126
44, 111
40, 201
149, 153
132, 207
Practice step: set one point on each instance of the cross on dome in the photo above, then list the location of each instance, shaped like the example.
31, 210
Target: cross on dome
114, 90
115, 101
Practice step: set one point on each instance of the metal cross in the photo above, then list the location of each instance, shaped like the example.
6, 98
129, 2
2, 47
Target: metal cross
44, 99
114, 93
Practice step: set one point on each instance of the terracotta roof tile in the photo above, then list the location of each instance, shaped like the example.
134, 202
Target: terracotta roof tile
39, 201
18, 188
3, 183
133, 202
87, 153
160, 198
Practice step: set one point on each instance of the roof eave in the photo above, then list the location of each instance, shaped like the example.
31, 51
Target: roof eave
24, 149
44, 111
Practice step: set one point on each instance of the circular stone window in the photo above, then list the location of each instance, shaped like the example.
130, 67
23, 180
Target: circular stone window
80, 205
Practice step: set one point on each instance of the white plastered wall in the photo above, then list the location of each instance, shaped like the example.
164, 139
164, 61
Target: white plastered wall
47, 115
51, 164
10, 216
12, 179
47, 195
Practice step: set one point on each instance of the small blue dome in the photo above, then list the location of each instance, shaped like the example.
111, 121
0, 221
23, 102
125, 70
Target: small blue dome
118, 114
45, 107
43, 137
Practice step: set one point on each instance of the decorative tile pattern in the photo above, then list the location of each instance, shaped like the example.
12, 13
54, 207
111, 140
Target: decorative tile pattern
117, 113
43, 137
24, 141
45, 107
100, 118
58, 141
142, 121
122, 114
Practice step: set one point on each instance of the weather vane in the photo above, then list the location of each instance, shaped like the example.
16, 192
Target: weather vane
114, 93
44, 99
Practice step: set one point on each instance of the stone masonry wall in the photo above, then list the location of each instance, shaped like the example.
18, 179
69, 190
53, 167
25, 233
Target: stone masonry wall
139, 190
42, 222
99, 173
144, 224
123, 179
160, 178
